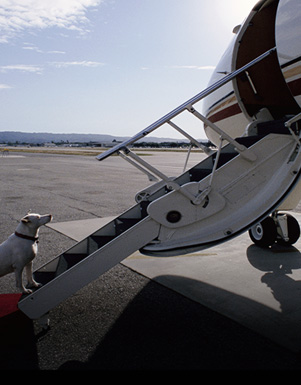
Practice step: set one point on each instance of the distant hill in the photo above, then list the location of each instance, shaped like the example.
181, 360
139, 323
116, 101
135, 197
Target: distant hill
40, 137
45, 137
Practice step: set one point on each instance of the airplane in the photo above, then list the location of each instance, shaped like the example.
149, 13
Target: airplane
251, 112
239, 103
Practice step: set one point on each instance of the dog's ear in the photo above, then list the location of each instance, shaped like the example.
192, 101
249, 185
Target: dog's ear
25, 220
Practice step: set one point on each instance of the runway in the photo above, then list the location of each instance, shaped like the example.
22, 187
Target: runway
233, 306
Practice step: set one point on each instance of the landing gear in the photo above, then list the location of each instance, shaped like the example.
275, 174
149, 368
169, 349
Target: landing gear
279, 228
289, 229
264, 234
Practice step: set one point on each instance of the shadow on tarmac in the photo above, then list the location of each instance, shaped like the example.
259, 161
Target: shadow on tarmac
162, 330
278, 263
167, 332
18, 349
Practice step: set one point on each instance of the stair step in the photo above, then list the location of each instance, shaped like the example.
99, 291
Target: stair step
248, 141
44, 277
67, 261
95, 242
197, 174
225, 158
272, 127
143, 208
123, 224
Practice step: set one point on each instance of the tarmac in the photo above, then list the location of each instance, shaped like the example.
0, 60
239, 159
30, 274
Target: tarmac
231, 307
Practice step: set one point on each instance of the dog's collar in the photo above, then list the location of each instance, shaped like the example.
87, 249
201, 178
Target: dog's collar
34, 239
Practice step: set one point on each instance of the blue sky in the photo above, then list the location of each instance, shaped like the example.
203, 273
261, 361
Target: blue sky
108, 66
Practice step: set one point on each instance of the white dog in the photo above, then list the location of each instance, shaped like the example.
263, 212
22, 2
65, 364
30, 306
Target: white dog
19, 250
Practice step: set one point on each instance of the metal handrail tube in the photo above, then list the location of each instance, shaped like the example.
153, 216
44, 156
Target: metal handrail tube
185, 105
192, 140
243, 150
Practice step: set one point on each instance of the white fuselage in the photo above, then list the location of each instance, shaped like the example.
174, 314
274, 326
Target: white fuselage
268, 91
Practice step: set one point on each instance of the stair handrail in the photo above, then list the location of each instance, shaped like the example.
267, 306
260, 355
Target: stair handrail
188, 104
288, 124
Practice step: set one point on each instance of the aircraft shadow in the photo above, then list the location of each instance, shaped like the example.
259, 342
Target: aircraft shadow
278, 264
162, 330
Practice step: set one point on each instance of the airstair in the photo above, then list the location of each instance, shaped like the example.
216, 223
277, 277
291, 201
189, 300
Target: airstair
232, 189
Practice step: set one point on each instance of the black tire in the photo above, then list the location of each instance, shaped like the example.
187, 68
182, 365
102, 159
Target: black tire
293, 231
264, 234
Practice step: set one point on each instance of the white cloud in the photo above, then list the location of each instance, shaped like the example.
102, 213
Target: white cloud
84, 63
193, 67
37, 69
19, 15
32, 48
57, 52
22, 68
4, 87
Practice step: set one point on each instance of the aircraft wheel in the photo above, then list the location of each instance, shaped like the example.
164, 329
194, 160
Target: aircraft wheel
293, 230
264, 234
